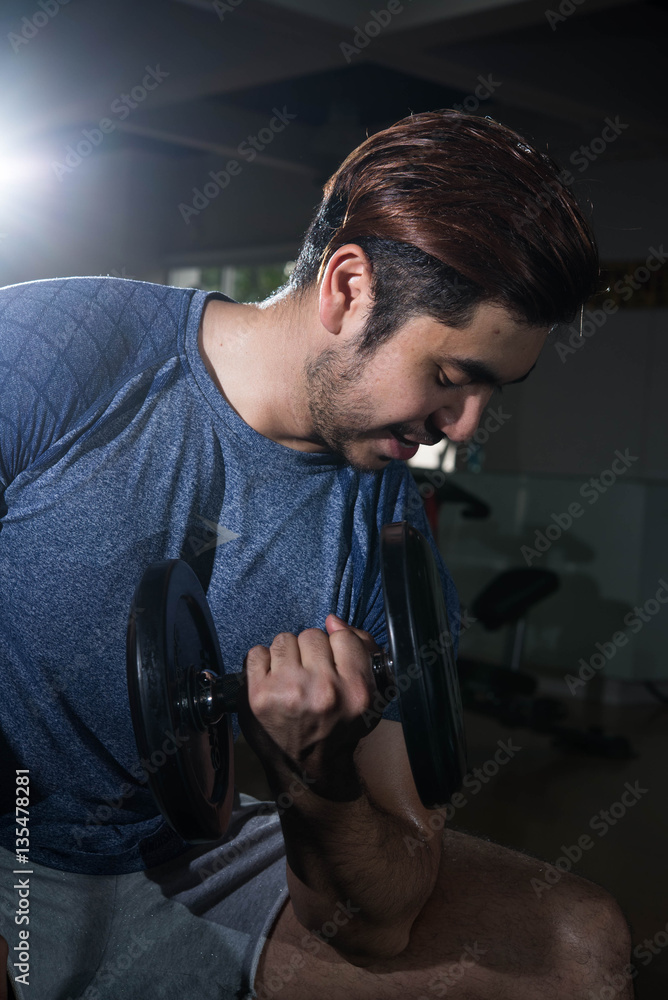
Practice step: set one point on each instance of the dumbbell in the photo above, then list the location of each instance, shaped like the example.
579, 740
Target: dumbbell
177, 684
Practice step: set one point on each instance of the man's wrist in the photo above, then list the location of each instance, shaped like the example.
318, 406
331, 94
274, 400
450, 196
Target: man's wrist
337, 781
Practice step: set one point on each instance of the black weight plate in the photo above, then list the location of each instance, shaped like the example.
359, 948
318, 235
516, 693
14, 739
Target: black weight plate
420, 646
171, 637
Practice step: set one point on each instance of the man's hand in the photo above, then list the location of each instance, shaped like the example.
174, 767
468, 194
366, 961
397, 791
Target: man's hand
306, 696
302, 712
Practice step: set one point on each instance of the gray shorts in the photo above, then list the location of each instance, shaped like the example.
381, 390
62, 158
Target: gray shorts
193, 927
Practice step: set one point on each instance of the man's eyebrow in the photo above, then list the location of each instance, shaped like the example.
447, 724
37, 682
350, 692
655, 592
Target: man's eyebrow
480, 372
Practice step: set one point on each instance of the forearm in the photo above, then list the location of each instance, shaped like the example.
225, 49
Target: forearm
348, 826
350, 857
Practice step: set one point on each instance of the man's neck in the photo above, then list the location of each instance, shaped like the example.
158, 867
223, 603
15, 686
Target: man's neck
255, 355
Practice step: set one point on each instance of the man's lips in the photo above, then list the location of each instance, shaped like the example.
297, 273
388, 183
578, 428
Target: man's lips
405, 440
402, 448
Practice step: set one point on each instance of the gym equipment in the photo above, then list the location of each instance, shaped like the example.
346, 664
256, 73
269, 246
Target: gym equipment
448, 492
508, 693
179, 691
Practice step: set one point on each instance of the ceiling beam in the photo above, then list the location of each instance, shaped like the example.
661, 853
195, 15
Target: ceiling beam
494, 22
402, 53
176, 138
212, 121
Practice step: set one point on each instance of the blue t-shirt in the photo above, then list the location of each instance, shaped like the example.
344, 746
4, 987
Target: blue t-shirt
117, 450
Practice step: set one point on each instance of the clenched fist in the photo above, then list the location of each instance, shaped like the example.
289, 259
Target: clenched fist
306, 695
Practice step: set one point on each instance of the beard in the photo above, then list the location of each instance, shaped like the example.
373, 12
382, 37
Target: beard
342, 414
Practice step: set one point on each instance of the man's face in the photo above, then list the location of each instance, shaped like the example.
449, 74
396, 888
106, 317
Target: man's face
361, 405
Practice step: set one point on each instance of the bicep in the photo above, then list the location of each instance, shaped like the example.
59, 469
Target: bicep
385, 772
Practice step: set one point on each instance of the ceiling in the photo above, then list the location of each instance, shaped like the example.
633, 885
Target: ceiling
228, 63
607, 58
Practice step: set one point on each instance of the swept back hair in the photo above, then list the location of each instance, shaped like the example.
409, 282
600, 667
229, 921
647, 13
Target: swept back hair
453, 210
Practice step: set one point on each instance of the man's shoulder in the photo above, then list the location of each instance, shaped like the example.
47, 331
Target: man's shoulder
67, 345
72, 298
83, 323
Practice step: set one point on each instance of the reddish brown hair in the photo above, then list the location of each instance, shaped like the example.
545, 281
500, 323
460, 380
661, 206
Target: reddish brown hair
453, 210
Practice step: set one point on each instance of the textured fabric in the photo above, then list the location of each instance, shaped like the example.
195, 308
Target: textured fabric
193, 927
117, 450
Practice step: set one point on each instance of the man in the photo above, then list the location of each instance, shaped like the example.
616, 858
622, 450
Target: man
264, 444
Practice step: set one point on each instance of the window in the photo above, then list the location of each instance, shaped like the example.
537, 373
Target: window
246, 283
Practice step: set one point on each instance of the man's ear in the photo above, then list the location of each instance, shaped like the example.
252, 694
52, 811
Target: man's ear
345, 290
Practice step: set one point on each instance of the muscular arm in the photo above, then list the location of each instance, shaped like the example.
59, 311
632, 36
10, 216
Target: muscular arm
363, 854
352, 828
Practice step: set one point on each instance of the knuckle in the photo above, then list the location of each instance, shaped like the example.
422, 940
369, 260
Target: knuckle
292, 702
257, 653
361, 696
324, 699
282, 640
351, 640
311, 633
259, 701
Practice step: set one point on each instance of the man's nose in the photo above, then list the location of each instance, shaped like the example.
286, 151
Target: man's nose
459, 419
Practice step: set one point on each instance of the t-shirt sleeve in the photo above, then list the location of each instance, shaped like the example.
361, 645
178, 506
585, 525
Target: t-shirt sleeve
29, 373
66, 344
47, 381
400, 500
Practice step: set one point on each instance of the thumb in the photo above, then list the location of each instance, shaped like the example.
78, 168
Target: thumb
334, 624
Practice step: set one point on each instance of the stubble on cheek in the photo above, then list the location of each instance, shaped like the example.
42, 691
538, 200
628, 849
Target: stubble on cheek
339, 409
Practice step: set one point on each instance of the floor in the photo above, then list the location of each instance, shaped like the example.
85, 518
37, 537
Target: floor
543, 800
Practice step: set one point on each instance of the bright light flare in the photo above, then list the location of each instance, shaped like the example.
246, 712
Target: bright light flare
18, 171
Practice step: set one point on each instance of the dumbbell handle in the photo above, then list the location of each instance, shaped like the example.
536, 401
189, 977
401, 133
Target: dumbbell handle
215, 694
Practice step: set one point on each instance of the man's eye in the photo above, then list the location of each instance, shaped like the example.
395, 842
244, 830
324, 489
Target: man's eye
444, 381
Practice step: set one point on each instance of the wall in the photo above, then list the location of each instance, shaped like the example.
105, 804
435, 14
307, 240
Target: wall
609, 560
